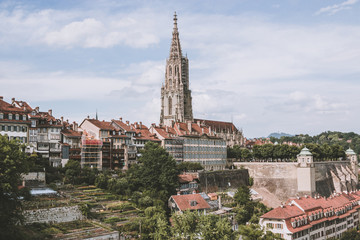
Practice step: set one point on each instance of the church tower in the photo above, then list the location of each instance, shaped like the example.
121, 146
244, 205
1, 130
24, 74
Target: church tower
176, 98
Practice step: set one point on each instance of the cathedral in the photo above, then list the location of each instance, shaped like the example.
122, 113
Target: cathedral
176, 100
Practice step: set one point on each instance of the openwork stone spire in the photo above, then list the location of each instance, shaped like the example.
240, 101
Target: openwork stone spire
175, 49
176, 101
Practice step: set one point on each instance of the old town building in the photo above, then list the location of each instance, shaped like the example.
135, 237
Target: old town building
314, 217
14, 121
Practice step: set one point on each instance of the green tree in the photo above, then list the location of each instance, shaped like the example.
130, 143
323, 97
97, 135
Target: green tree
246, 155
13, 163
189, 166
101, 181
213, 227
185, 226
162, 229
352, 234
242, 196
156, 172
254, 232
72, 172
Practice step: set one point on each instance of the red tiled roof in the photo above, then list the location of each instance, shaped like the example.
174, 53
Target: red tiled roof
71, 133
184, 178
313, 206
184, 202
123, 125
284, 212
23, 105
143, 133
215, 125
6, 107
102, 124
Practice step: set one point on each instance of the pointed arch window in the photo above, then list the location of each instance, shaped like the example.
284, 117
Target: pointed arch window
170, 105
170, 70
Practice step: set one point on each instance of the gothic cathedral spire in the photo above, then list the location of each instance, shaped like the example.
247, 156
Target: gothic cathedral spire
176, 101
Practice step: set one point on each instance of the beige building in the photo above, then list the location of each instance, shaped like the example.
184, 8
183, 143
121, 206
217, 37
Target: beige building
308, 218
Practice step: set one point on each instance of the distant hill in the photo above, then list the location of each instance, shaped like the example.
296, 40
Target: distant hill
279, 135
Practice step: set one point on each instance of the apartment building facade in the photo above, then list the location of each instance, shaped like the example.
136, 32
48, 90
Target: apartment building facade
309, 218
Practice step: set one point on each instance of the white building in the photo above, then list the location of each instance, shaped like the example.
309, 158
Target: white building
309, 218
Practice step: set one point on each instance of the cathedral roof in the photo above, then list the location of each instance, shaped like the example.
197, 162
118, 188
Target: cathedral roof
217, 125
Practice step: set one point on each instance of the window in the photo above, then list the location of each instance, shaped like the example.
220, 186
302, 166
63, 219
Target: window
24, 117
17, 116
1, 116
10, 116
170, 106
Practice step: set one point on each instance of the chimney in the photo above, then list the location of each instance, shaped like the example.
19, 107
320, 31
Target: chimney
140, 125
198, 123
210, 132
75, 126
62, 120
120, 119
50, 112
37, 109
12, 100
1, 97
127, 123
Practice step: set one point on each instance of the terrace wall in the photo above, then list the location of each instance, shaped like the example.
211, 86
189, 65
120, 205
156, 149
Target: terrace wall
53, 215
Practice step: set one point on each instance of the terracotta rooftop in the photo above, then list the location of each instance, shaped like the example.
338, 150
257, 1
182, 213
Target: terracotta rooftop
347, 202
71, 133
217, 125
123, 125
284, 212
185, 202
6, 107
184, 178
102, 124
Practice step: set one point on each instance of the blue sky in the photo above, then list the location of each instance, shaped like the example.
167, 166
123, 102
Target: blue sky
268, 66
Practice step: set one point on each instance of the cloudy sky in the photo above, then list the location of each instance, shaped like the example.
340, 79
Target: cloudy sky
268, 66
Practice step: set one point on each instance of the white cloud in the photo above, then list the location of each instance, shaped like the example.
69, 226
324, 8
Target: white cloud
72, 28
265, 75
330, 10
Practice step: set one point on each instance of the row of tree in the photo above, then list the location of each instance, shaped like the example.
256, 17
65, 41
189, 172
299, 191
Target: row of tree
345, 140
284, 152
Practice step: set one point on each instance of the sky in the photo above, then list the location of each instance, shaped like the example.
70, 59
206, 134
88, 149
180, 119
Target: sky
266, 65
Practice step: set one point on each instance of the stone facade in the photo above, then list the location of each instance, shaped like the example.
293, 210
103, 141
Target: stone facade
176, 101
53, 215
288, 179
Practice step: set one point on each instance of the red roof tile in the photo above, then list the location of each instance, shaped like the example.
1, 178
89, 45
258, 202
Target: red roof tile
102, 124
71, 133
218, 125
184, 202
123, 125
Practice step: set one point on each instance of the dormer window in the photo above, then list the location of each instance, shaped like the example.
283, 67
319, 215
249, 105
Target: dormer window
10, 116
33, 113
17, 116
1, 116
24, 117
193, 203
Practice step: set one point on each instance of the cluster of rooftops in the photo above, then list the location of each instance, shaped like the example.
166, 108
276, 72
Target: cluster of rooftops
303, 212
